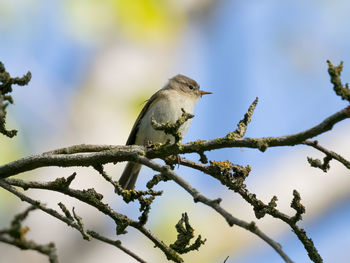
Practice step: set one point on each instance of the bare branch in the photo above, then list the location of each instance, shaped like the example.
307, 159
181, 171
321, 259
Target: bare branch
243, 124
329, 155
115, 243
93, 198
185, 234
173, 128
334, 73
79, 221
215, 204
129, 153
318, 164
233, 177
57, 215
132, 195
15, 235
82, 148
259, 143
118, 154
49, 249
6, 82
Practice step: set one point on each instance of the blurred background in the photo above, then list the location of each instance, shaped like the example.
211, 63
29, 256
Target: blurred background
95, 62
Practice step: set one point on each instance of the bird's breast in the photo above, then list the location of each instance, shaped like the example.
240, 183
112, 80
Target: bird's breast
166, 109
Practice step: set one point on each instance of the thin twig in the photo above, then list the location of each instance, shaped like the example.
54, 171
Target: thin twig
261, 209
327, 152
64, 219
231, 220
231, 175
215, 204
116, 243
92, 198
16, 236
48, 249
243, 124
334, 72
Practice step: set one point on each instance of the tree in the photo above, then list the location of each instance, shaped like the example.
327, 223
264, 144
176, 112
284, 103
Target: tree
96, 156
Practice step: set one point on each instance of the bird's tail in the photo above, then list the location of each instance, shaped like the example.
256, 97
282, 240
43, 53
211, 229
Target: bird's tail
129, 175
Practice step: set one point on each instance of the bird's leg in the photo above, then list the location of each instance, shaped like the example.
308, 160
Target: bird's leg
148, 144
178, 159
173, 160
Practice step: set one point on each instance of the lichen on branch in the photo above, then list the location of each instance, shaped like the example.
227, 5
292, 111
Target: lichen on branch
173, 128
231, 175
185, 234
16, 235
6, 82
243, 124
334, 73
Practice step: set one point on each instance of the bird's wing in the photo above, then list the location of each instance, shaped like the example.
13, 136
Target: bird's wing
135, 128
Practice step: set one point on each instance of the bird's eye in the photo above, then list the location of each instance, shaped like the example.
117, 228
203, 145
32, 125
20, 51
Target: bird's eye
190, 87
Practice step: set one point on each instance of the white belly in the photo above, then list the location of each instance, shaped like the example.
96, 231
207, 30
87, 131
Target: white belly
164, 110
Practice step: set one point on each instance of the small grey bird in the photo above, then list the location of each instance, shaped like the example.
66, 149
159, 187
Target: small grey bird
164, 106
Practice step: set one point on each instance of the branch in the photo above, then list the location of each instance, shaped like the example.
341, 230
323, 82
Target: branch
48, 249
84, 148
129, 153
233, 177
243, 124
62, 218
115, 243
173, 128
259, 143
215, 204
15, 235
334, 73
103, 154
93, 198
117, 154
132, 195
329, 155
185, 234
6, 82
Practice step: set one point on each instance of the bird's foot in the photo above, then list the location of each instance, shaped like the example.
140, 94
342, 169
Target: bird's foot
149, 144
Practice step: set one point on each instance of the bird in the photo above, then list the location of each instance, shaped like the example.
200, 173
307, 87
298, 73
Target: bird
166, 105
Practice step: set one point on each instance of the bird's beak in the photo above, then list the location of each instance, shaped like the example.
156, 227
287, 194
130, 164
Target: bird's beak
204, 92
